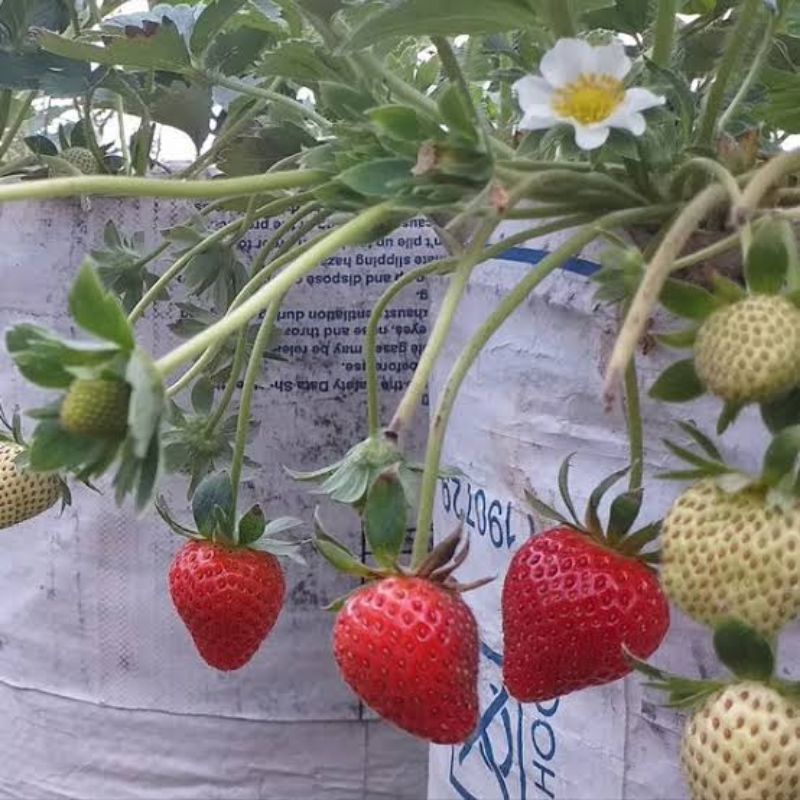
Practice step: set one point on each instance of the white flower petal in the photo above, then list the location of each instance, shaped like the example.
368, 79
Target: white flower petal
631, 121
533, 91
591, 138
537, 121
610, 59
638, 99
566, 62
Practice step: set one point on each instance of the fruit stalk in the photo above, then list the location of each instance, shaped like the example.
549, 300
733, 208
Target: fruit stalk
113, 186
511, 302
254, 367
348, 234
664, 32
662, 263
230, 386
633, 413
735, 50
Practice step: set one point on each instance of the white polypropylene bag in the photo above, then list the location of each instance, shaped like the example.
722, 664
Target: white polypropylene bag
532, 398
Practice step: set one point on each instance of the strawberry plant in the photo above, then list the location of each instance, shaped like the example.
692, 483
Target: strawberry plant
661, 130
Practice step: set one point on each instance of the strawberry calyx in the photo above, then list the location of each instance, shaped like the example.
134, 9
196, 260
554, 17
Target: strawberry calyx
213, 509
618, 534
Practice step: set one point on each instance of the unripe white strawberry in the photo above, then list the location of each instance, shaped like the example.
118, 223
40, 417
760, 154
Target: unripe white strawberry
23, 494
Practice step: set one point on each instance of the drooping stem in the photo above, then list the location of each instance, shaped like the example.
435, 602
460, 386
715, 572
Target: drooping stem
123, 136
664, 32
350, 233
230, 385
493, 323
765, 179
735, 51
633, 413
370, 341
279, 232
254, 367
16, 123
268, 94
113, 186
658, 271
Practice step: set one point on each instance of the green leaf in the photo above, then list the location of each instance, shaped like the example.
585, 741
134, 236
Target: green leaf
401, 122
385, 517
456, 114
381, 177
148, 475
304, 62
442, 17
162, 49
99, 311
234, 52
147, 401
337, 555
17, 17
624, 510
211, 21
688, 300
41, 145
203, 396
183, 105
678, 383
781, 456
767, 265
783, 412
214, 492
252, 525
782, 109
746, 653
52, 448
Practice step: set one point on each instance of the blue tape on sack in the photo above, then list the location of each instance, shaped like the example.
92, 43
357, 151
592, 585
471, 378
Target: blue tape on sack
527, 255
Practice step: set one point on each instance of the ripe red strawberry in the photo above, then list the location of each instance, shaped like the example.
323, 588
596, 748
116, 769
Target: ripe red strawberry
228, 597
576, 596
408, 647
569, 607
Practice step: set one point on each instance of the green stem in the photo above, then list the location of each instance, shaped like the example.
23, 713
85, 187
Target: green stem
113, 186
371, 65
561, 19
765, 179
181, 263
295, 236
464, 363
438, 336
735, 50
268, 94
254, 367
350, 233
123, 136
454, 72
635, 426
370, 352
16, 124
289, 223
91, 135
230, 386
664, 32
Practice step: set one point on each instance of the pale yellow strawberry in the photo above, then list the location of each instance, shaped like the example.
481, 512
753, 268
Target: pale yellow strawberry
730, 555
750, 351
23, 494
96, 407
743, 744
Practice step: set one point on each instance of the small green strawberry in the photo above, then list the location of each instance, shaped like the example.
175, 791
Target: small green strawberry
750, 351
96, 407
24, 494
82, 159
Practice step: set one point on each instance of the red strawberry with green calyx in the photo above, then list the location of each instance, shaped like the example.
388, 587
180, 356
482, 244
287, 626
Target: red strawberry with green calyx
576, 597
406, 643
228, 588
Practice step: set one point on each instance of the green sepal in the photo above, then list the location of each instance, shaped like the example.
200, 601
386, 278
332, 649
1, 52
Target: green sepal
744, 651
166, 515
202, 396
386, 517
147, 401
214, 492
98, 311
678, 383
54, 449
338, 555
707, 466
678, 340
780, 459
727, 290
688, 300
767, 264
783, 412
252, 525
704, 442
634, 544
623, 513
592, 522
544, 510
563, 488
338, 604
727, 416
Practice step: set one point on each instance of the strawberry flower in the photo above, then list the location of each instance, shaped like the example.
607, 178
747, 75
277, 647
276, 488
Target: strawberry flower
582, 85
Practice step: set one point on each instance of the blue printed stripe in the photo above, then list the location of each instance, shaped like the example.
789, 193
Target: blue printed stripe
527, 255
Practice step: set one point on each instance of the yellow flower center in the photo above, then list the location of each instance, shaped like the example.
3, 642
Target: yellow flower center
591, 98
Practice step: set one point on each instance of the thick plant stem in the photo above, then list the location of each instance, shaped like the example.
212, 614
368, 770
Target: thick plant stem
272, 96
370, 352
16, 124
735, 50
664, 32
658, 271
764, 180
633, 413
230, 385
112, 186
350, 233
254, 367
493, 323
